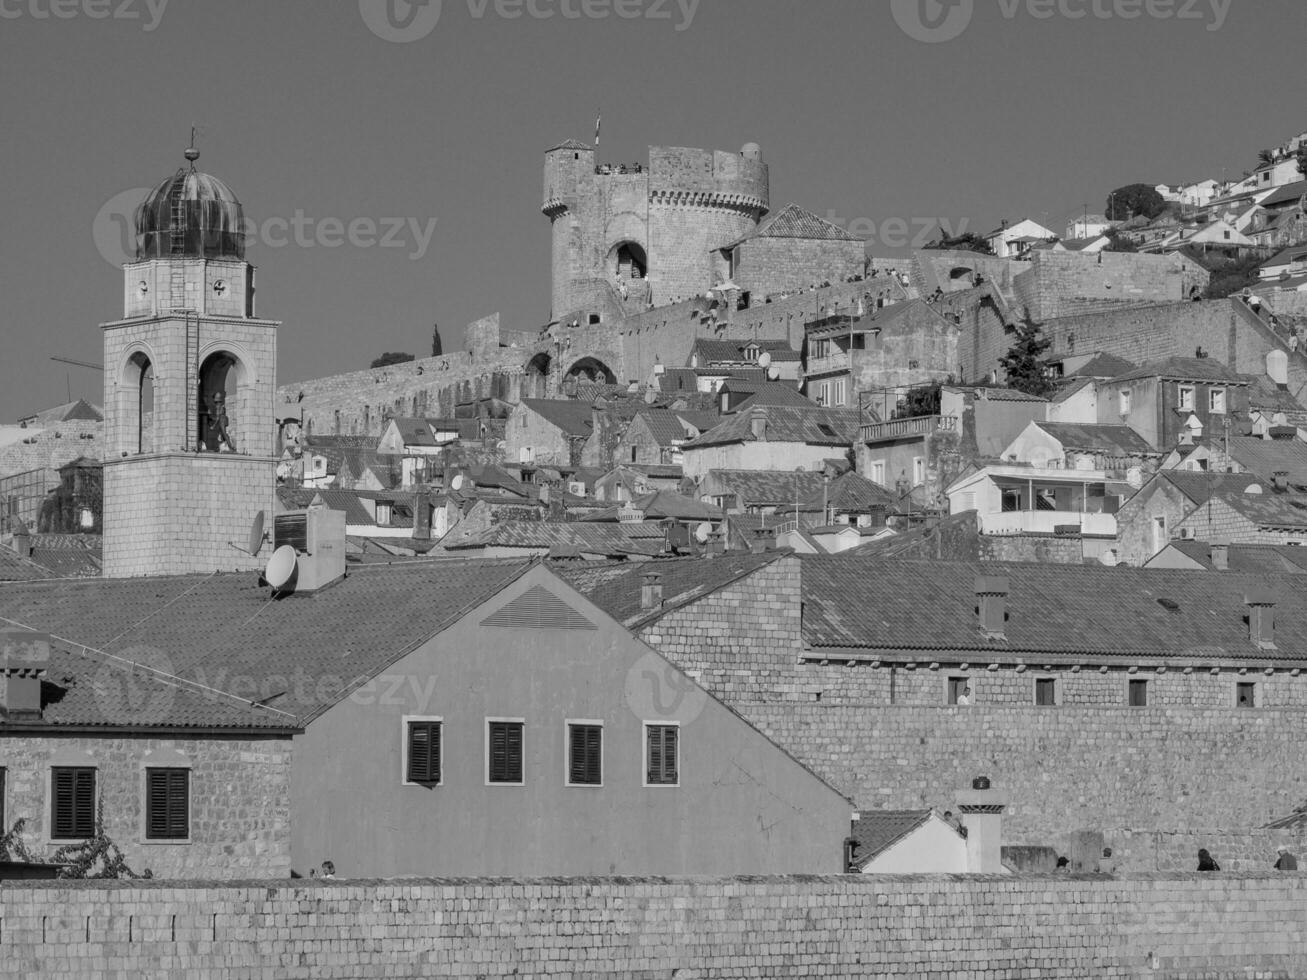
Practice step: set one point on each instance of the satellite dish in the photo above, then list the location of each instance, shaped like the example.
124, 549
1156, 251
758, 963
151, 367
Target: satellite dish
702, 531
256, 534
281, 567
764, 359
457, 482
773, 373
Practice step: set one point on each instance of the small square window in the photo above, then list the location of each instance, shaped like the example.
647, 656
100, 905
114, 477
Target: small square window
585, 747
1045, 691
1185, 398
167, 804
72, 802
504, 751
662, 755
1245, 694
1138, 692
959, 690
422, 752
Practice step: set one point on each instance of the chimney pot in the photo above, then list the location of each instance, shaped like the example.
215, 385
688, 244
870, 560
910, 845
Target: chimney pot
22, 540
1280, 480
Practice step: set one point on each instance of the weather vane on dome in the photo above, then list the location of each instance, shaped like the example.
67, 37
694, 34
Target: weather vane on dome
192, 154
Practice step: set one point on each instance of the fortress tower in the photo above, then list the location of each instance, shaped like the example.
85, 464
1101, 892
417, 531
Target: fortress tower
627, 237
189, 377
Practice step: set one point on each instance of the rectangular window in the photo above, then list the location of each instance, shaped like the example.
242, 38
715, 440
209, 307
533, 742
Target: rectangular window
585, 746
1123, 402
167, 804
423, 752
72, 802
878, 472
918, 471
1185, 398
959, 690
1045, 691
1245, 694
504, 748
1216, 400
662, 753
1138, 693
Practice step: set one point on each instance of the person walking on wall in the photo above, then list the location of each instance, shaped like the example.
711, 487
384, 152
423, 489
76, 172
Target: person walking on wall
1285, 861
1206, 862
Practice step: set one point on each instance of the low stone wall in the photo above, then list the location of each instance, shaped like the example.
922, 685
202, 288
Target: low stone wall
1164, 927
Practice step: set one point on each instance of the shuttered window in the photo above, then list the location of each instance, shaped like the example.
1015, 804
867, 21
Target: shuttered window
3, 826
585, 755
424, 752
73, 802
167, 804
505, 752
1046, 691
661, 744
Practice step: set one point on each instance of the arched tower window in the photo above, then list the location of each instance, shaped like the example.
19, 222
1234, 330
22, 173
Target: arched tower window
535, 383
138, 417
218, 401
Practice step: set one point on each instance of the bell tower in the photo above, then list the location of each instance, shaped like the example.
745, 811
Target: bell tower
189, 380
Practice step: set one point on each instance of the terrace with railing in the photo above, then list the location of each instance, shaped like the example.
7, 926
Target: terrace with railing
917, 425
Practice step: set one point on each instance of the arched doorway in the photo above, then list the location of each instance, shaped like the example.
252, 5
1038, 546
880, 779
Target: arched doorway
591, 369
627, 261
536, 381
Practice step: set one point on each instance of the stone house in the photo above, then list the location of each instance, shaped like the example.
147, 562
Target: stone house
1116, 449
792, 250
1149, 519
540, 430
654, 437
771, 438
1176, 400
1254, 516
491, 719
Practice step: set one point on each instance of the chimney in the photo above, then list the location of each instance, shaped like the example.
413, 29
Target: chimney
1221, 557
1261, 617
323, 560
764, 539
651, 592
22, 540
991, 604
422, 516
24, 657
758, 424
981, 812
1280, 481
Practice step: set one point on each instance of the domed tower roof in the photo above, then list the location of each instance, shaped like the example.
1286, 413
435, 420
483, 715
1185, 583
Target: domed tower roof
190, 215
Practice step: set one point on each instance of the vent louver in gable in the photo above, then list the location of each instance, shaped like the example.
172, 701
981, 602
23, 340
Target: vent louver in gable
538, 608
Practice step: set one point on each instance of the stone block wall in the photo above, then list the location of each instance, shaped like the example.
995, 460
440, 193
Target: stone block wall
1159, 926
776, 265
239, 802
52, 447
1064, 768
1064, 283
1066, 549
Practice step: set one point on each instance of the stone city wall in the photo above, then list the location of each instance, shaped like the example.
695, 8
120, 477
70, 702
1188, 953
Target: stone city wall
1161, 926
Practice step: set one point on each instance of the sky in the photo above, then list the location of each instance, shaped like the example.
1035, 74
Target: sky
389, 156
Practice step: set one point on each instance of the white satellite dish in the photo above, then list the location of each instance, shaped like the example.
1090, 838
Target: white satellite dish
773, 373
257, 536
281, 567
457, 482
702, 531
764, 359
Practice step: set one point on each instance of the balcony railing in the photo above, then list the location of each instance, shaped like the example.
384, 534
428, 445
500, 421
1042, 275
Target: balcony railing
834, 361
1047, 522
918, 425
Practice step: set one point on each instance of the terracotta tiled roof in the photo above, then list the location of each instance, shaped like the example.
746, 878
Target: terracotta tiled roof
898, 608
793, 221
1119, 440
732, 351
763, 487
1199, 486
850, 492
615, 587
224, 632
813, 426
1259, 559
571, 416
1269, 510
590, 537
1103, 366
878, 830
570, 144
1264, 457
1185, 369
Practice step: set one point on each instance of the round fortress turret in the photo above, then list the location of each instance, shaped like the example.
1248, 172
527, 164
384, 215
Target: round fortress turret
629, 236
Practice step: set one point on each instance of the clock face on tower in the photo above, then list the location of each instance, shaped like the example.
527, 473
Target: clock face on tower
142, 287
220, 287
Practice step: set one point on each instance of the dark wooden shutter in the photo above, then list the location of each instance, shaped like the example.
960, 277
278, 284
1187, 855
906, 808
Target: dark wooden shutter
74, 801
424, 752
505, 752
167, 804
662, 749
586, 768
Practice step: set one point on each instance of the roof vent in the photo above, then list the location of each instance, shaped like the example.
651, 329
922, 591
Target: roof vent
991, 605
651, 591
1170, 605
24, 657
1261, 617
